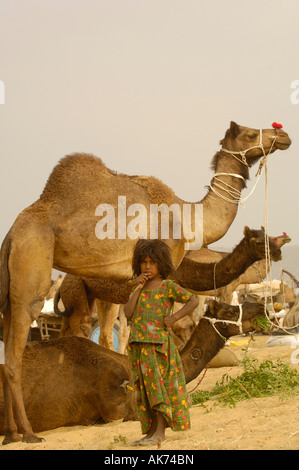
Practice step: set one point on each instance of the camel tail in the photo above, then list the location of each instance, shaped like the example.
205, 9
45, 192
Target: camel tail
4, 276
67, 312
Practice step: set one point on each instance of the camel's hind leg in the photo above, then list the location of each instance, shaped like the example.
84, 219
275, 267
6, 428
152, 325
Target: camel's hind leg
107, 315
74, 297
10, 427
30, 270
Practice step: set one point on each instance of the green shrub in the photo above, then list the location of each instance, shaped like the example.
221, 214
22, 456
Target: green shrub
257, 381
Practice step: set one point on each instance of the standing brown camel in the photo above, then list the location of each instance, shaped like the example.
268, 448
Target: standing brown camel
78, 295
61, 230
85, 383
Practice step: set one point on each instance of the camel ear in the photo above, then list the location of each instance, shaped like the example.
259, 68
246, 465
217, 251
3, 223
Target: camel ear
234, 129
246, 230
262, 229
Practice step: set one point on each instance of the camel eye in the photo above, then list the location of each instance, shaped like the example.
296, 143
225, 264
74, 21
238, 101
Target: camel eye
252, 136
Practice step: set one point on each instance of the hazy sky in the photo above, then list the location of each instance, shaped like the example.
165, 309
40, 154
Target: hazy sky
150, 86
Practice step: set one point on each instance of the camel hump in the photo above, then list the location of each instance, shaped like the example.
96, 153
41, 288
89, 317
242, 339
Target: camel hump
83, 160
157, 191
81, 170
76, 167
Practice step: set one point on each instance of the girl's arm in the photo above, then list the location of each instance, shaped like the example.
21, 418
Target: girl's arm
130, 305
185, 310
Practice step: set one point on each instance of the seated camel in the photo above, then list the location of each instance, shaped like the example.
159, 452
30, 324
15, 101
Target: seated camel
73, 381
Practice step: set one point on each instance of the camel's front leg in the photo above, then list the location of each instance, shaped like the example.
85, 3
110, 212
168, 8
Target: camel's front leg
10, 427
29, 267
29, 284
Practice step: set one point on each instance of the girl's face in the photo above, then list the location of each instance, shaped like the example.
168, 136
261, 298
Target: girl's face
149, 267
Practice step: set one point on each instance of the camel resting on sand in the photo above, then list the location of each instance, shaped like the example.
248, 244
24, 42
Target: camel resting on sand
73, 381
64, 229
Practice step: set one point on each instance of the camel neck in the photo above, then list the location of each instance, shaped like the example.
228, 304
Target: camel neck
220, 205
231, 164
202, 346
200, 277
241, 255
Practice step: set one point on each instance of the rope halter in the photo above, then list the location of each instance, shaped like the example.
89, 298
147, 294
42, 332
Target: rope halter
243, 152
234, 195
238, 323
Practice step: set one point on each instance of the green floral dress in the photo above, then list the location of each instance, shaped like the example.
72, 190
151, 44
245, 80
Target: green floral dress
158, 375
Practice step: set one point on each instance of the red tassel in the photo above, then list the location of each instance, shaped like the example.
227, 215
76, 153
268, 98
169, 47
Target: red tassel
277, 125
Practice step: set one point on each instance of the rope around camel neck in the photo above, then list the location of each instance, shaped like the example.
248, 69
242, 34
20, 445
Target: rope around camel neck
235, 194
212, 322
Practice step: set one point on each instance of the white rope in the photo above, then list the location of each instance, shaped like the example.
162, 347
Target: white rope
235, 194
243, 152
267, 253
238, 323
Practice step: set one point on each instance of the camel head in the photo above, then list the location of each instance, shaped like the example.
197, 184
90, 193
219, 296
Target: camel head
256, 244
221, 311
281, 239
249, 142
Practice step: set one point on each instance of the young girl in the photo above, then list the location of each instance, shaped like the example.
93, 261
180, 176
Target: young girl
158, 374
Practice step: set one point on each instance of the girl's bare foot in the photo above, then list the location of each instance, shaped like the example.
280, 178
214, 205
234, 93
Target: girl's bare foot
160, 428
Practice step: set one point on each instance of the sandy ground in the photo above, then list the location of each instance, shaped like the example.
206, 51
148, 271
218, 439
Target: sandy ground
263, 424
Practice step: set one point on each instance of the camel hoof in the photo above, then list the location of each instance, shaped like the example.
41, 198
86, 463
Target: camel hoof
9, 438
31, 438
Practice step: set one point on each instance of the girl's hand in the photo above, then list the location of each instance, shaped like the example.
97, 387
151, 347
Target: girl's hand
169, 320
130, 305
141, 280
192, 303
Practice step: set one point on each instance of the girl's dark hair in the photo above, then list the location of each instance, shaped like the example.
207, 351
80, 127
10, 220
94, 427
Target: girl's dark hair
158, 251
